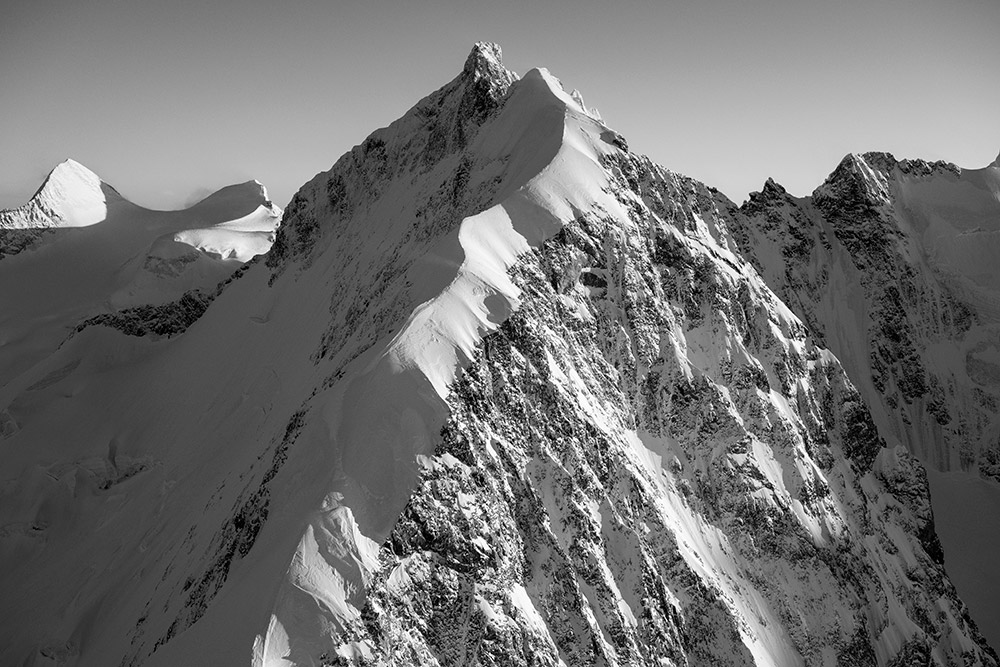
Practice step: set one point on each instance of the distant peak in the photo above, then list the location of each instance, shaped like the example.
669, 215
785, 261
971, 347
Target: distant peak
70, 196
865, 166
70, 163
260, 186
70, 180
772, 187
68, 172
770, 195
255, 186
239, 198
858, 178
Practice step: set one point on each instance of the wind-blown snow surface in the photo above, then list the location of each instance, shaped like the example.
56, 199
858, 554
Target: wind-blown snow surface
78, 249
502, 393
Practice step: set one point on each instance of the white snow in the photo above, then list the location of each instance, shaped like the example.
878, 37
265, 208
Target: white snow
71, 196
240, 239
126, 256
443, 333
707, 552
198, 413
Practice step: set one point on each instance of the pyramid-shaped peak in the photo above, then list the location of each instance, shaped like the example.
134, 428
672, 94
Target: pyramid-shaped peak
858, 178
69, 184
70, 196
69, 164
484, 54
69, 174
772, 186
772, 193
485, 64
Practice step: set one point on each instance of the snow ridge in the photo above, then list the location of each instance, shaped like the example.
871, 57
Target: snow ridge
502, 392
396, 488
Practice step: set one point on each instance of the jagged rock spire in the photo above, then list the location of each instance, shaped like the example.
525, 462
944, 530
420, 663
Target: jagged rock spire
772, 187
484, 56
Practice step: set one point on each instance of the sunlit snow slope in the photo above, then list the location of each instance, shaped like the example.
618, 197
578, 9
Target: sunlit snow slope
78, 249
502, 392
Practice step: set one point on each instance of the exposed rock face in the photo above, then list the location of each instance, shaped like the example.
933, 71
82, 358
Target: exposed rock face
423, 145
883, 263
506, 394
169, 319
651, 460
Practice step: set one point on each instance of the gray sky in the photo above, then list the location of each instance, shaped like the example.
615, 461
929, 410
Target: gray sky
167, 99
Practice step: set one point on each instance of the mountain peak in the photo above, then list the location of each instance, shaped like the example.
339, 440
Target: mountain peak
70, 196
70, 163
773, 187
883, 161
485, 56
772, 193
239, 199
858, 178
485, 72
995, 163
68, 173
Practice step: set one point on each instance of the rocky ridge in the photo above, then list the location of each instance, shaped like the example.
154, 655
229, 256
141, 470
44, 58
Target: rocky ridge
604, 490
510, 394
867, 262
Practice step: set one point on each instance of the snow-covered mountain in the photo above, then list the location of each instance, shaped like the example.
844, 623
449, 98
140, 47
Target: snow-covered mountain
70, 196
892, 265
79, 250
502, 393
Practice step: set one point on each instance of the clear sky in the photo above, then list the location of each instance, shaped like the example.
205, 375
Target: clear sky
167, 101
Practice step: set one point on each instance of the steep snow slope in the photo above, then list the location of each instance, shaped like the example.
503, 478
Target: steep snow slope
502, 393
78, 249
70, 196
